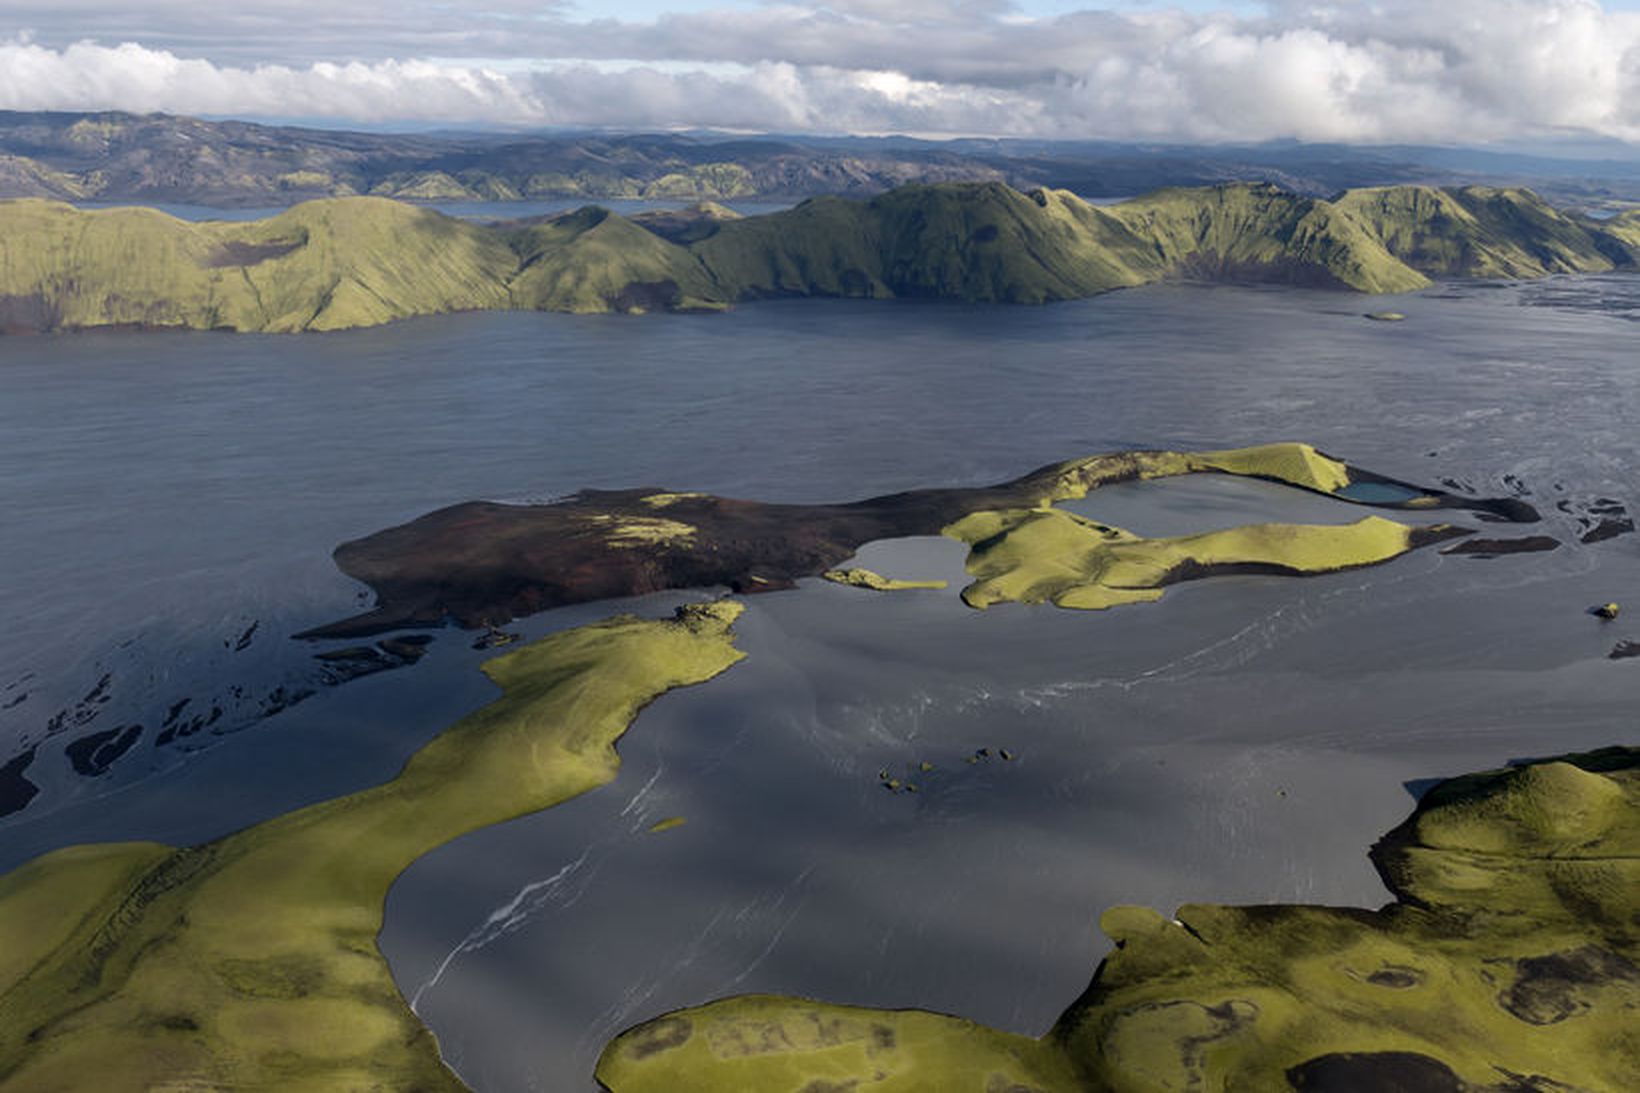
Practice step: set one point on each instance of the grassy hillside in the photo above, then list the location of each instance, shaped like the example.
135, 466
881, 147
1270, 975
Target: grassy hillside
360, 262
323, 265
1255, 232
594, 260
1480, 232
25, 177
988, 242
344, 262
983, 242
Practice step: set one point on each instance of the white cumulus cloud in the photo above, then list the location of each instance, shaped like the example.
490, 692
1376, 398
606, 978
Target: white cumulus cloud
1393, 70
86, 76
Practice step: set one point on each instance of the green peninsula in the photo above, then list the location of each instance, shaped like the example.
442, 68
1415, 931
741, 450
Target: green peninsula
357, 261
1050, 555
251, 962
1509, 961
1045, 554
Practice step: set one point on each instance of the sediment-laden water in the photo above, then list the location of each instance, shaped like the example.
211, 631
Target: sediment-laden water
1241, 740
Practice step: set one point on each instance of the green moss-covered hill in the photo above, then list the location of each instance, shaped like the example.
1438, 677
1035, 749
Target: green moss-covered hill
346, 262
319, 266
250, 962
1506, 964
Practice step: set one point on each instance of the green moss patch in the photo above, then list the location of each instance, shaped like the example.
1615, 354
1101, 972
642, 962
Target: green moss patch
1049, 555
780, 1045
251, 962
866, 578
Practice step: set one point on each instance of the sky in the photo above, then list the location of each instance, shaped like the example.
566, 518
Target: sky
1357, 71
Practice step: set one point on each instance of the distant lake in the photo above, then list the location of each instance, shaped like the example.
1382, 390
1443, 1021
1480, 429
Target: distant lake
171, 500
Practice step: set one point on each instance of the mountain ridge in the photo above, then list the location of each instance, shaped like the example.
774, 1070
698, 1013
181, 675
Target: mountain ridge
147, 158
345, 262
113, 156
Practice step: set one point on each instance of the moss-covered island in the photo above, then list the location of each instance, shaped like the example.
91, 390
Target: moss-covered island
876, 582
481, 563
251, 962
1509, 962
1049, 555
358, 261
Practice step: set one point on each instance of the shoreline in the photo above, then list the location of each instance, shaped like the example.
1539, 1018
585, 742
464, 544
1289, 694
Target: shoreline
340, 263
274, 926
1279, 996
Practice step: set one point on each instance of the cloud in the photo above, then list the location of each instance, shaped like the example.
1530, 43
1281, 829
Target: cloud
778, 96
290, 32
1394, 70
131, 77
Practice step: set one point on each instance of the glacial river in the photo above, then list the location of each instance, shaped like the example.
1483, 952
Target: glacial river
171, 500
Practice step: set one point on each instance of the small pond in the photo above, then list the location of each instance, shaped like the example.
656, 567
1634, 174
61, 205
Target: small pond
1378, 493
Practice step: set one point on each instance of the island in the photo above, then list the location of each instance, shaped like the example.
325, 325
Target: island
876, 582
480, 563
336, 263
1508, 961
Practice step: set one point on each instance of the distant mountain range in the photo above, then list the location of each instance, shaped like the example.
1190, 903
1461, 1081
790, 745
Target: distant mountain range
348, 262
159, 158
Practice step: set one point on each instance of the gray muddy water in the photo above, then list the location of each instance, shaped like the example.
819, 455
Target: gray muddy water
1242, 740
